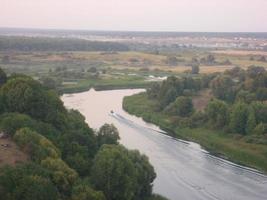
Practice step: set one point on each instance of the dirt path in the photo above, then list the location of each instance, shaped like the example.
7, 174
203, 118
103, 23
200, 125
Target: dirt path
10, 154
201, 100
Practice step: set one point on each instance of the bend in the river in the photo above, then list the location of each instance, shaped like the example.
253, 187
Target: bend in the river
184, 170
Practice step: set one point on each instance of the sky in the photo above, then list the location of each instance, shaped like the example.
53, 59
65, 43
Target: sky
137, 15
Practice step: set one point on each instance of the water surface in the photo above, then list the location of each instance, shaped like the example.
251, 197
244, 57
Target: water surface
184, 170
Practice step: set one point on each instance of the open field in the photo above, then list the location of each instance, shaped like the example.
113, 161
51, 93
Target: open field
240, 53
36, 61
76, 71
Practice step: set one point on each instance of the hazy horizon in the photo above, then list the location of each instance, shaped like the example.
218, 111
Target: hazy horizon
126, 15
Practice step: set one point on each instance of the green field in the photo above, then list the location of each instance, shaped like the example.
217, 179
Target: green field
71, 69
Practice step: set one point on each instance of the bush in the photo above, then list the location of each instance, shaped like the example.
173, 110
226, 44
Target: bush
27, 182
36, 145
108, 134
113, 163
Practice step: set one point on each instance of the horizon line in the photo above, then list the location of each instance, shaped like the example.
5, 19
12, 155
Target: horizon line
106, 30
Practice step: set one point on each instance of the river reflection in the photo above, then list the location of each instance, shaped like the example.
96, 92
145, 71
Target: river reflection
184, 170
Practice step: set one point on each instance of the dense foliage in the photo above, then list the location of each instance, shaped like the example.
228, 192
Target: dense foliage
68, 160
238, 104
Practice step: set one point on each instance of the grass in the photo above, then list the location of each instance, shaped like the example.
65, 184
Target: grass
217, 142
120, 82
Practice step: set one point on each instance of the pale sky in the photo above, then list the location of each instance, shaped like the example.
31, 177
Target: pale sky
137, 15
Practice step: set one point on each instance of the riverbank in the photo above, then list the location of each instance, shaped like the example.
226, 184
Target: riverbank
224, 145
108, 84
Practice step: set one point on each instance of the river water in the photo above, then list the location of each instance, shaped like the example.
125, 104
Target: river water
184, 170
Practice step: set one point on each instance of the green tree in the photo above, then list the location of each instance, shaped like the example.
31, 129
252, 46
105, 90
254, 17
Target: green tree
260, 110
238, 118
153, 90
260, 129
27, 182
171, 60
210, 59
113, 172
49, 82
145, 175
36, 145
182, 106
3, 77
195, 69
217, 112
169, 90
62, 175
27, 96
108, 134
245, 96
82, 191
223, 88
251, 121
11, 122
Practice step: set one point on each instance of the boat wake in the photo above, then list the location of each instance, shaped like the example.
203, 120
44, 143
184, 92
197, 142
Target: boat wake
218, 160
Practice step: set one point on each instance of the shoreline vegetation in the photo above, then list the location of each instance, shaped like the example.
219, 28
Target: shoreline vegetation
49, 152
104, 85
226, 146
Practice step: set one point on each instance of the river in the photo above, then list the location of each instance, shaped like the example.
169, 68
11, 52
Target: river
184, 170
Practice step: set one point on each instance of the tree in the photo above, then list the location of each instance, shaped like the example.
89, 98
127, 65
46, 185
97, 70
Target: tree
260, 129
169, 97
238, 118
171, 60
108, 134
182, 106
153, 90
195, 69
262, 59
253, 71
36, 145
217, 112
49, 82
261, 94
82, 191
27, 96
3, 77
210, 59
223, 88
245, 96
92, 70
145, 174
251, 121
27, 182
133, 170
113, 172
260, 110
12, 122
62, 175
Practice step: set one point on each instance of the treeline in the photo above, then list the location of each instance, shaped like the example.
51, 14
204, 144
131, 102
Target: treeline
10, 43
238, 104
68, 160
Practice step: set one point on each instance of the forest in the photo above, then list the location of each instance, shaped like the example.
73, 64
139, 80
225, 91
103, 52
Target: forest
12, 43
64, 159
224, 112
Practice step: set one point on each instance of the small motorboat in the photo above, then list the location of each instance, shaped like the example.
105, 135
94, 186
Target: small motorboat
112, 112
